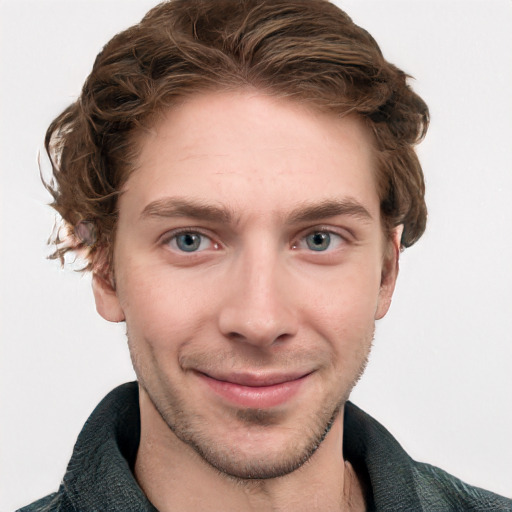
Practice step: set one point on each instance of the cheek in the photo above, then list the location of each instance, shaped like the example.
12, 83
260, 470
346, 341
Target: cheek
160, 309
344, 308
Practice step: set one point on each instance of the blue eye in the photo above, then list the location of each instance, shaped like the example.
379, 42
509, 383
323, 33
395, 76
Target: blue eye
190, 241
318, 241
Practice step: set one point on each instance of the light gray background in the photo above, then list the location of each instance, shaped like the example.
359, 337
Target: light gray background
440, 376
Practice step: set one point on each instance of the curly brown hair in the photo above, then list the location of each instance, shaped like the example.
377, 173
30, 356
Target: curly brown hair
305, 50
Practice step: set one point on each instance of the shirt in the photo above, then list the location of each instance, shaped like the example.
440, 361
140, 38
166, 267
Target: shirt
100, 476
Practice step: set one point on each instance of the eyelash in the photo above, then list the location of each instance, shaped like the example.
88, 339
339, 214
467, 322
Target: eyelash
320, 230
168, 238
173, 235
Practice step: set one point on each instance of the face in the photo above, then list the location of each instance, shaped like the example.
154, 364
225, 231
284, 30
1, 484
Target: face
250, 267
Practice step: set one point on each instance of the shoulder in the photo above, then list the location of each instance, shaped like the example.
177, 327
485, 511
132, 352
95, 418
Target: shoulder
438, 490
399, 483
55, 502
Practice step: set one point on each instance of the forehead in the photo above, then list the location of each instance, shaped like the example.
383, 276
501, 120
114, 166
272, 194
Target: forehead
253, 153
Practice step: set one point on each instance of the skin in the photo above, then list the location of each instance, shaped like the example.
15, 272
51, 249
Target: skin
260, 184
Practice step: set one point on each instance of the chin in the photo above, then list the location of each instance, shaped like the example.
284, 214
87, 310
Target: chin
260, 448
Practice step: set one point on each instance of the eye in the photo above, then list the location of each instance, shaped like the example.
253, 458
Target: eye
190, 241
320, 241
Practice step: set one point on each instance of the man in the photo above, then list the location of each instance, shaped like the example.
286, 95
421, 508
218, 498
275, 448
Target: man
241, 177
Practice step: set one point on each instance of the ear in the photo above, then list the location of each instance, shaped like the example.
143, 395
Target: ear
105, 295
389, 272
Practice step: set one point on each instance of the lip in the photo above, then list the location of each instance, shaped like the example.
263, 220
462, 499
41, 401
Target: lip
254, 390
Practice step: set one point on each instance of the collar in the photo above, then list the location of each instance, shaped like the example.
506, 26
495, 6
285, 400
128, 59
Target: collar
100, 473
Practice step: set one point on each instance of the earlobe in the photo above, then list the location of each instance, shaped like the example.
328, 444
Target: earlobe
389, 273
107, 301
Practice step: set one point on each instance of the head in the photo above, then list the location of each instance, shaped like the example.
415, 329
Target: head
307, 51
243, 176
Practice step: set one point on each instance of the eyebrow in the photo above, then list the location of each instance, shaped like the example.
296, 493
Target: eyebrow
173, 207
170, 207
329, 208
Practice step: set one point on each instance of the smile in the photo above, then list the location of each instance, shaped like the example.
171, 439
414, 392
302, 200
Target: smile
255, 391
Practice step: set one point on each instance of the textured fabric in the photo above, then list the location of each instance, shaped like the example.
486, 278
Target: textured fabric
399, 483
99, 476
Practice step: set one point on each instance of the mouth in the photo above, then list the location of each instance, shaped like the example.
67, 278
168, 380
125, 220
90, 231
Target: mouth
255, 390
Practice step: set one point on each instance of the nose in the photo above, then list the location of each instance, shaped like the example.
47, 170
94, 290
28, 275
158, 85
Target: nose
258, 302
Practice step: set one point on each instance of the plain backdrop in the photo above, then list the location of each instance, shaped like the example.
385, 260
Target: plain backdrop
440, 374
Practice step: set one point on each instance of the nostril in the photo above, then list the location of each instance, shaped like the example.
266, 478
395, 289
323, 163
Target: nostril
257, 319
260, 338
235, 336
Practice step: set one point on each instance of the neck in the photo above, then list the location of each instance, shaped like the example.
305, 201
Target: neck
174, 477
